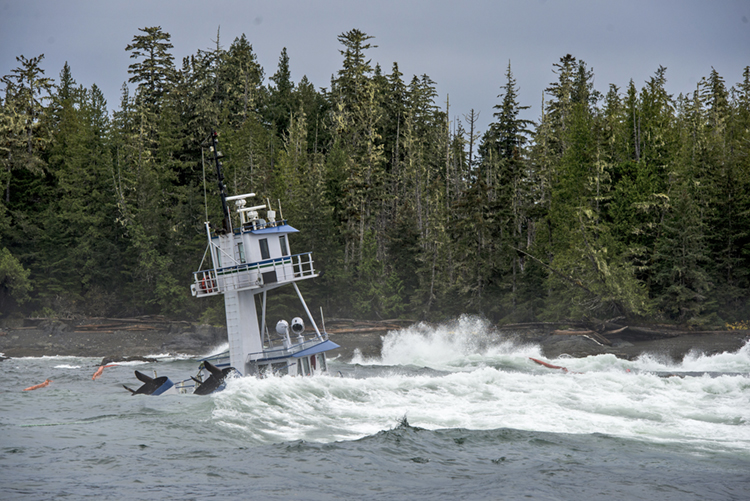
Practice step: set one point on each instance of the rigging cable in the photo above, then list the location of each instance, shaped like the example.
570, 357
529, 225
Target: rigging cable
205, 200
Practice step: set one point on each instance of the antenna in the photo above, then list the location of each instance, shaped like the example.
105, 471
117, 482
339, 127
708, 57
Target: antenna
203, 165
220, 175
323, 321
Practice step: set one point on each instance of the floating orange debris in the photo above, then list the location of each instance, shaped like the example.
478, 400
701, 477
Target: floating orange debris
100, 370
547, 364
40, 385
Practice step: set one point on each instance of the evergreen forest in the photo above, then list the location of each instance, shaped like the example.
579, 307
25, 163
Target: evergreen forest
618, 202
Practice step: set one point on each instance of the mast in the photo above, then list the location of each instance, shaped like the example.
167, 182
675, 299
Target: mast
222, 189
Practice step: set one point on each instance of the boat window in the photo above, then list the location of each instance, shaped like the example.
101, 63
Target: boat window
312, 361
264, 254
218, 258
306, 366
322, 362
282, 243
241, 249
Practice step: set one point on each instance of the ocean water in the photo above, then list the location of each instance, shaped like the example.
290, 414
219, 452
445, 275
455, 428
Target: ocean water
446, 413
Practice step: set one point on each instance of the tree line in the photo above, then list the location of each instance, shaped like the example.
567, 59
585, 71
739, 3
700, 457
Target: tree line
630, 203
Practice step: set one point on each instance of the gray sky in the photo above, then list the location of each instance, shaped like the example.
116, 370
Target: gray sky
464, 49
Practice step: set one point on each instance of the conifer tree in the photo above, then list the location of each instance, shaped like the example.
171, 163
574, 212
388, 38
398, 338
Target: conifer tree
154, 69
26, 90
504, 146
356, 115
242, 76
26, 184
281, 96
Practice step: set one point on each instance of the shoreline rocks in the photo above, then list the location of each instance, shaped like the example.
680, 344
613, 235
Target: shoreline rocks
665, 343
123, 339
110, 338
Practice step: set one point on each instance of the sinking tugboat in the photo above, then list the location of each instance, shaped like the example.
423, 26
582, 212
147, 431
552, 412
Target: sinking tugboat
250, 256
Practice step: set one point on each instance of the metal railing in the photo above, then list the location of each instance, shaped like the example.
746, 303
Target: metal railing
283, 351
253, 275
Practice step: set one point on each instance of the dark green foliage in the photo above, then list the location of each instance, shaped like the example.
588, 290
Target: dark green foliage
631, 203
14, 282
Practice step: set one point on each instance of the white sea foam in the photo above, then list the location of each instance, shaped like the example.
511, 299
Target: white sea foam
631, 405
470, 343
126, 363
722, 362
465, 344
484, 386
216, 350
164, 357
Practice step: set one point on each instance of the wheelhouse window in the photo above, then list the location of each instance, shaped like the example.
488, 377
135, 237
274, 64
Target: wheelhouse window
264, 254
241, 250
282, 243
322, 362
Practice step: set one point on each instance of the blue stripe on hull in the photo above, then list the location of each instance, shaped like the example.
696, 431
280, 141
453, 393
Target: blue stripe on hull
161, 389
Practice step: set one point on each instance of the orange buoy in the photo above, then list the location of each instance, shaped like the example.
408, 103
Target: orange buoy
40, 385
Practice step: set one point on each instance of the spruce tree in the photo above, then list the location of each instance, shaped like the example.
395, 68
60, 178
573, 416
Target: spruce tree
281, 103
154, 69
504, 146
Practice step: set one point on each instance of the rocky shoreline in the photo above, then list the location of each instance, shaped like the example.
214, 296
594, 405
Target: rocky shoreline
112, 338
667, 347
117, 339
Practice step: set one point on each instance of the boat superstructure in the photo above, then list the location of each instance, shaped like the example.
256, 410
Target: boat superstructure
249, 256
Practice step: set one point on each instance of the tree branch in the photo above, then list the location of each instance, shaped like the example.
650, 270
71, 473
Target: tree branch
570, 280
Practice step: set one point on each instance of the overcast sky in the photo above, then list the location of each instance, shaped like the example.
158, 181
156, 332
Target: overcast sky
464, 46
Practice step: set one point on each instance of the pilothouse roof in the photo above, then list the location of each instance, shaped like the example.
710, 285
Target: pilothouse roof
275, 229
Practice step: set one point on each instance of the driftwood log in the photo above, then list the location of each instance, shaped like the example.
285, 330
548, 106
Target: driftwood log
346, 325
603, 331
588, 333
